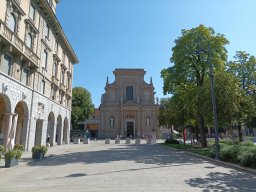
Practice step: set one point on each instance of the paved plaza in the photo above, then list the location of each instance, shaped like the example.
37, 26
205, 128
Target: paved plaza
102, 167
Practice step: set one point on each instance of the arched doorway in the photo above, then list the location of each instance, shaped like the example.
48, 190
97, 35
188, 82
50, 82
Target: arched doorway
59, 130
21, 121
50, 129
38, 133
5, 119
65, 131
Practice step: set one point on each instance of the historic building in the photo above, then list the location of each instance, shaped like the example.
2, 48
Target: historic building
36, 71
128, 106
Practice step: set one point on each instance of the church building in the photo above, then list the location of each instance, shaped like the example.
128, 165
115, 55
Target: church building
128, 106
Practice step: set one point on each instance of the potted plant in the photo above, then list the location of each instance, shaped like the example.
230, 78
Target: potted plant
1, 151
19, 147
11, 157
38, 152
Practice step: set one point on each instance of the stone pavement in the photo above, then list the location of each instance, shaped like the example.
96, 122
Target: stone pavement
101, 167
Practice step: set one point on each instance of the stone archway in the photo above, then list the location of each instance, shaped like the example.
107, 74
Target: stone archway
20, 121
51, 128
39, 131
59, 132
65, 131
5, 119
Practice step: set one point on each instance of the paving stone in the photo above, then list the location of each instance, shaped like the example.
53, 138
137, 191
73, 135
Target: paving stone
100, 167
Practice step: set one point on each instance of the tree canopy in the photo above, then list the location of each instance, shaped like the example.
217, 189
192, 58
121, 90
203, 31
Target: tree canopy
188, 80
82, 106
191, 56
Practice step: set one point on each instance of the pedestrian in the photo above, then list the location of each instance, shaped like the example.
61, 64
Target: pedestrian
48, 138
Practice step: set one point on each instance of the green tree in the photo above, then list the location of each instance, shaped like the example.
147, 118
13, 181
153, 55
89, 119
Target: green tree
82, 106
243, 68
191, 56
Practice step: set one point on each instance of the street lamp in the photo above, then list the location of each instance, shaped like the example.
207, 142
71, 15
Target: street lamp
215, 119
217, 146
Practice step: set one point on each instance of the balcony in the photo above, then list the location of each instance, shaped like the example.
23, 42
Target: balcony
18, 47
63, 87
68, 92
55, 80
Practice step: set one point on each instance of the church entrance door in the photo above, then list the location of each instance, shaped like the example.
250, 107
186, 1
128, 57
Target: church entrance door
130, 129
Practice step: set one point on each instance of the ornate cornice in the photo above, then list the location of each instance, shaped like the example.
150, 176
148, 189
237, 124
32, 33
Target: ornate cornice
56, 29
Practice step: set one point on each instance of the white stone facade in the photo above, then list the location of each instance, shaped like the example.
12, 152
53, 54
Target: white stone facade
36, 71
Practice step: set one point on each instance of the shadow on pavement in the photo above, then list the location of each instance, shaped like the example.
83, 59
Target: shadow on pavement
216, 181
146, 154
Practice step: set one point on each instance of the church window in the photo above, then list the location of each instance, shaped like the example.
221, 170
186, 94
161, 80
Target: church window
111, 121
147, 121
129, 93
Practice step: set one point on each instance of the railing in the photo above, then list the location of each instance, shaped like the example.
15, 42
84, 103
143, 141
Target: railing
68, 92
13, 39
18, 43
7, 33
55, 80
31, 55
63, 87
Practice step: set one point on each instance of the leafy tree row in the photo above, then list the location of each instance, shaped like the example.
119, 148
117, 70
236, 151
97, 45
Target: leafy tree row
188, 81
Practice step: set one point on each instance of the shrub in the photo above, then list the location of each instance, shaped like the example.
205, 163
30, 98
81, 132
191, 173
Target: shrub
230, 153
247, 157
12, 154
1, 148
212, 151
19, 147
39, 149
210, 142
247, 143
226, 141
171, 141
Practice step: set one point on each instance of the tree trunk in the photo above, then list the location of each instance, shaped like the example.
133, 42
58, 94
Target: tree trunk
240, 132
202, 131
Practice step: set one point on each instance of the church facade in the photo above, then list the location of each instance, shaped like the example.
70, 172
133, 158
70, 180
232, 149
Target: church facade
128, 106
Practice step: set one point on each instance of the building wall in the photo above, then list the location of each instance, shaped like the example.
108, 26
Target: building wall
119, 110
44, 32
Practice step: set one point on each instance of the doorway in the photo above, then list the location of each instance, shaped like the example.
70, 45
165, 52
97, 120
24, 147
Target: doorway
130, 129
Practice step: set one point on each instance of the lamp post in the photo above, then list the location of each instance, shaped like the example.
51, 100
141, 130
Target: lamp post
217, 147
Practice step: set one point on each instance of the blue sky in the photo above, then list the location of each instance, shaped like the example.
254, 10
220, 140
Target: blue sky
109, 34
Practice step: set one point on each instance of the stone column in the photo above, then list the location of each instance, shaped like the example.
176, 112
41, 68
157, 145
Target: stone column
52, 132
10, 145
6, 124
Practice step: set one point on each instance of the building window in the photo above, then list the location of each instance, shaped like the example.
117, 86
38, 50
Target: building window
129, 93
32, 12
12, 23
56, 48
61, 98
111, 121
54, 90
63, 57
47, 31
69, 83
62, 76
147, 121
42, 87
29, 40
44, 59
6, 65
24, 76
55, 69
